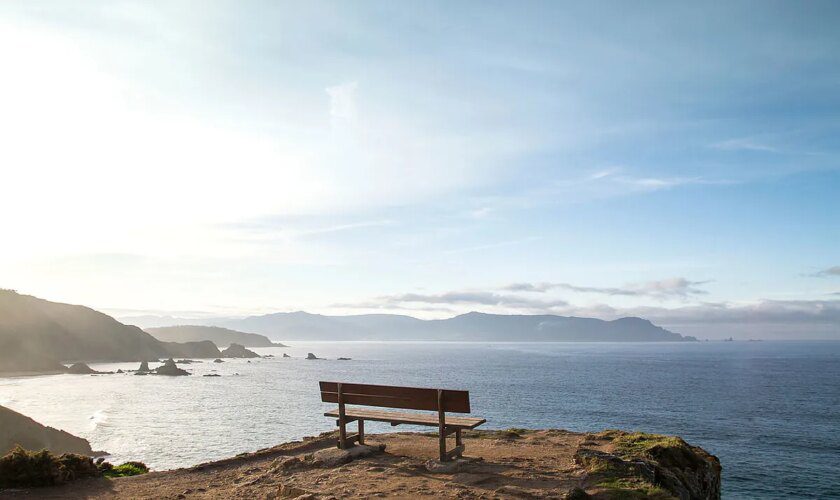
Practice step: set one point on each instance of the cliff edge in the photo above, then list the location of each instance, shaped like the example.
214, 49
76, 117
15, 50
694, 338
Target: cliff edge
17, 429
516, 463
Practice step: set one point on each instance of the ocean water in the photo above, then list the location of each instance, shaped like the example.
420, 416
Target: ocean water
769, 410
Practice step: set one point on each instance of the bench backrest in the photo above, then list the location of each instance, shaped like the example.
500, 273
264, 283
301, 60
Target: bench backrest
389, 396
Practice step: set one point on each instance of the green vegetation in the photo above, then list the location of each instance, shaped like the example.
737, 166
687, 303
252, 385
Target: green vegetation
629, 489
21, 468
126, 469
627, 472
640, 443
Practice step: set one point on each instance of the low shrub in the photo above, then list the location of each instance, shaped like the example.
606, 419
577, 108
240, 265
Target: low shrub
21, 468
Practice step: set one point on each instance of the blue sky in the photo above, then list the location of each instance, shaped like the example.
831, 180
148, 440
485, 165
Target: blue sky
673, 160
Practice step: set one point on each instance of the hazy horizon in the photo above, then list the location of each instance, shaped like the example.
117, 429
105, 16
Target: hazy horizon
676, 162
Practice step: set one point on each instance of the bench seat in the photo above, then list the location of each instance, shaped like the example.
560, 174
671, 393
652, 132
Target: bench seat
407, 418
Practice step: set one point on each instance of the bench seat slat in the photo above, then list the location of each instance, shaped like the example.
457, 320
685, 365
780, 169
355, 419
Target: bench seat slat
408, 418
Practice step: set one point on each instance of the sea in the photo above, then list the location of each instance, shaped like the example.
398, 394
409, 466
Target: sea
769, 410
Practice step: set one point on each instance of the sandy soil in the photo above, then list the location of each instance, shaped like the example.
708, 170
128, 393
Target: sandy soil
496, 465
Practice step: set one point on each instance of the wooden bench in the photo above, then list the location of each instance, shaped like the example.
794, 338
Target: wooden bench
406, 398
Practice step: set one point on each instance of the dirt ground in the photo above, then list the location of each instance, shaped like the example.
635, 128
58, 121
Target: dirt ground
500, 464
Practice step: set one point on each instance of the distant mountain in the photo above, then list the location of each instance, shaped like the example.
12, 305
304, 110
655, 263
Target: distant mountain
222, 337
472, 326
35, 335
17, 429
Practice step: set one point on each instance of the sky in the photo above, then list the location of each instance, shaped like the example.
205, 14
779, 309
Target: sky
677, 161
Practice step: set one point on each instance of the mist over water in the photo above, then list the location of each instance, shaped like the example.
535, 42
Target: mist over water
769, 410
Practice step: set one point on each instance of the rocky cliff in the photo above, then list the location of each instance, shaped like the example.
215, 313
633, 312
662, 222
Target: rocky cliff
36, 334
17, 429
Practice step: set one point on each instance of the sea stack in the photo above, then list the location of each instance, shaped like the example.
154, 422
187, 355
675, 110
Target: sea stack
311, 356
170, 368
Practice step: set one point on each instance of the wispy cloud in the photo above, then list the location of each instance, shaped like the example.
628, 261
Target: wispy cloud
744, 144
619, 177
462, 298
667, 288
785, 318
831, 271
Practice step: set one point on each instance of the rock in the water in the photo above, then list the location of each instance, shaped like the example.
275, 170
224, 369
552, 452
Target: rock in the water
309, 355
344, 359
80, 369
169, 368
212, 375
217, 360
238, 351
144, 367
286, 355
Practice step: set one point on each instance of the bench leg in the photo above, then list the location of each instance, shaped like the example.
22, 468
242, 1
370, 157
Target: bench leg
361, 431
342, 434
458, 441
342, 421
441, 426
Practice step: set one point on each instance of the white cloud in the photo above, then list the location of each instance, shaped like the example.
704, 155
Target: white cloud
743, 144
343, 102
662, 289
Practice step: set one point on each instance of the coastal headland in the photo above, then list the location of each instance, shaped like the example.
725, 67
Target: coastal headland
514, 463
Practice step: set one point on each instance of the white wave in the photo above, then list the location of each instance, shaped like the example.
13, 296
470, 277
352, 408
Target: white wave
98, 418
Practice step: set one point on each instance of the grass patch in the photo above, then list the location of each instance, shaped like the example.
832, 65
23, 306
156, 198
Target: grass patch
126, 469
628, 489
640, 443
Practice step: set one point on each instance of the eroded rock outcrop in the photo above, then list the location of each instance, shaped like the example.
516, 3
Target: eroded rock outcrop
238, 351
629, 463
170, 368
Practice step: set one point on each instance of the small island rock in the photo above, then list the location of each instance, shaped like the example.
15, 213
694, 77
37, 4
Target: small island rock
238, 351
170, 368
80, 369
309, 355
